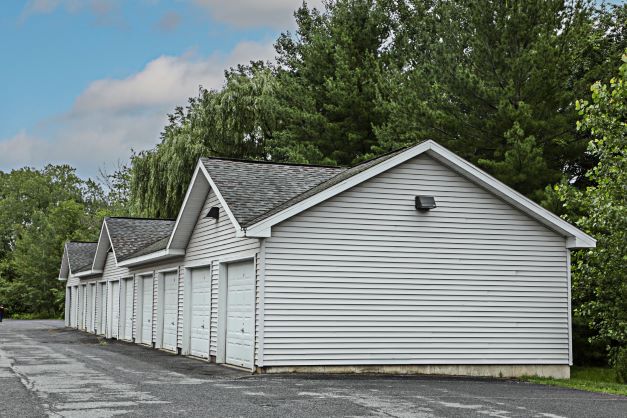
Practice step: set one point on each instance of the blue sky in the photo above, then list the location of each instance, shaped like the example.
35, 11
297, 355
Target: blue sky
84, 81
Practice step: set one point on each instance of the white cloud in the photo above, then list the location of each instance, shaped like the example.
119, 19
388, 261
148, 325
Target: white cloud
255, 13
105, 12
112, 116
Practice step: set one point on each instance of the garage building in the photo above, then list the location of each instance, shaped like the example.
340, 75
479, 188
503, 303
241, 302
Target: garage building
414, 262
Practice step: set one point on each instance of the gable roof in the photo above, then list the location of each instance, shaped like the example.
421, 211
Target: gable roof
127, 236
261, 227
257, 195
78, 256
131, 235
319, 187
251, 188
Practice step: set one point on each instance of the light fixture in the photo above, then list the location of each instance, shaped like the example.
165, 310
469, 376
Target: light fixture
425, 202
214, 213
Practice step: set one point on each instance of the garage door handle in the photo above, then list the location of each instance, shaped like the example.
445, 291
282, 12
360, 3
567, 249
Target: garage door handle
242, 330
202, 326
171, 323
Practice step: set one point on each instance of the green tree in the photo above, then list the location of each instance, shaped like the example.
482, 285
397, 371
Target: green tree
39, 211
496, 81
233, 122
327, 81
600, 274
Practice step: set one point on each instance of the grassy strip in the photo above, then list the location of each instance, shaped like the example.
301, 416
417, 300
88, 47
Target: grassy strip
591, 379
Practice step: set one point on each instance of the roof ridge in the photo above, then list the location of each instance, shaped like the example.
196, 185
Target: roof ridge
241, 160
140, 219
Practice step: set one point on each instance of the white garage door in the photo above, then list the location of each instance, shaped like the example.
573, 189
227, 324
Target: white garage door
128, 309
115, 306
240, 306
170, 310
81, 307
200, 288
102, 304
91, 311
75, 303
69, 304
146, 337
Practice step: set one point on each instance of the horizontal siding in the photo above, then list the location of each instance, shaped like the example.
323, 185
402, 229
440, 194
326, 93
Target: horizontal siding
210, 242
112, 272
364, 278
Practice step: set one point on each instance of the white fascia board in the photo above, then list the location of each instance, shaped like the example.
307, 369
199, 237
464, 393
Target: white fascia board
263, 228
220, 198
100, 246
62, 279
575, 237
65, 264
110, 242
182, 211
156, 256
87, 273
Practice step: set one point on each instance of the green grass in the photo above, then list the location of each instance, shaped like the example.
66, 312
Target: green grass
592, 379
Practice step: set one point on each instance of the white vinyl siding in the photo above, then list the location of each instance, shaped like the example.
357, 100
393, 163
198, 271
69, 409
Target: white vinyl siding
112, 273
365, 278
211, 241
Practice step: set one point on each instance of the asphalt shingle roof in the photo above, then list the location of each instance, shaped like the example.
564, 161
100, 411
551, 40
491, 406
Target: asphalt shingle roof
253, 188
344, 174
80, 255
131, 237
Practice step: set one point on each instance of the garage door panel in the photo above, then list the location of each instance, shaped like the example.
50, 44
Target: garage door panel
170, 310
146, 336
115, 309
240, 323
200, 287
128, 309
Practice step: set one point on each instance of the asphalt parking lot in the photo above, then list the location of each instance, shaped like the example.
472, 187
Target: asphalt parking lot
49, 370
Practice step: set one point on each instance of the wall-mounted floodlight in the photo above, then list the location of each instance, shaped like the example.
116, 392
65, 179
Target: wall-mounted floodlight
214, 213
425, 202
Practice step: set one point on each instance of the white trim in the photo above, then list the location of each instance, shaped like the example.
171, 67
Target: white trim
187, 194
87, 273
262, 298
158, 255
219, 196
570, 324
241, 256
576, 238
97, 254
167, 270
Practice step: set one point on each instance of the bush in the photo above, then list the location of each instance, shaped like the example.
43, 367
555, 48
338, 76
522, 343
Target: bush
620, 365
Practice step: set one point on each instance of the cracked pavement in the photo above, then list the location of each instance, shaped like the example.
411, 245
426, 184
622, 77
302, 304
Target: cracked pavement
47, 370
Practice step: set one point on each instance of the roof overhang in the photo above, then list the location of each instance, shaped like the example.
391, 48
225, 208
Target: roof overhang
575, 238
87, 273
156, 256
193, 203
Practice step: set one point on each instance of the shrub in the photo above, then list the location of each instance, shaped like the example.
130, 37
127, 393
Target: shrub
620, 365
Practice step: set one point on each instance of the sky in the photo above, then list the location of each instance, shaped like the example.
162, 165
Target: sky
82, 82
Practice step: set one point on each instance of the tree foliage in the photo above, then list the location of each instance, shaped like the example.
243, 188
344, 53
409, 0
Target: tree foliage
39, 211
494, 81
600, 274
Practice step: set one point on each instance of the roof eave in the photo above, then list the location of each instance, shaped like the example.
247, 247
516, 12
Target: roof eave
152, 257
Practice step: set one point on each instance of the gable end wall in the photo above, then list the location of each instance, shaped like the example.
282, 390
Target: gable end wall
366, 279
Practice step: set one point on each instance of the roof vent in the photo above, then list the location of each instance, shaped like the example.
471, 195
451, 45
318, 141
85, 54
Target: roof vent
214, 213
425, 202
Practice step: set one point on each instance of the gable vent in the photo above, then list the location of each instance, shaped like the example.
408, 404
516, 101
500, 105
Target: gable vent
424, 203
214, 213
